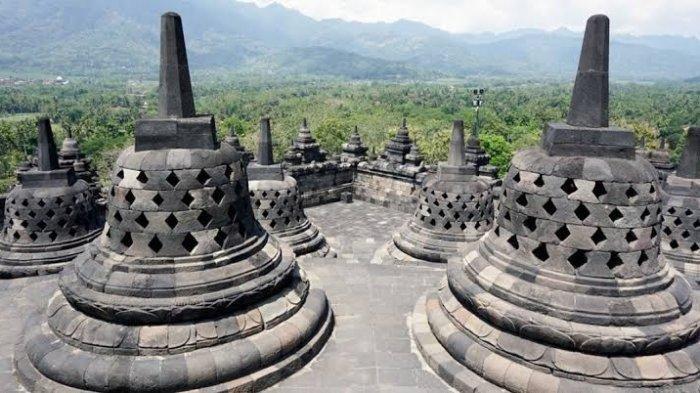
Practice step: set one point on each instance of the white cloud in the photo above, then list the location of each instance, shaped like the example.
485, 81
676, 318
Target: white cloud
629, 16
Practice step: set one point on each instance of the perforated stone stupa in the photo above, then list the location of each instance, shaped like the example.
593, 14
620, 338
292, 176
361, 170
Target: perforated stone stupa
49, 215
304, 149
277, 202
353, 149
455, 209
183, 290
680, 238
568, 292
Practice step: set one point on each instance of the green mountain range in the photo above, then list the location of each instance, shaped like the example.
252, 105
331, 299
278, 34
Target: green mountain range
107, 37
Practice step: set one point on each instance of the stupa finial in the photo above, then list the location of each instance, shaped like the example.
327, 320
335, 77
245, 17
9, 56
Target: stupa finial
48, 155
304, 123
456, 157
176, 98
403, 124
689, 164
589, 102
265, 143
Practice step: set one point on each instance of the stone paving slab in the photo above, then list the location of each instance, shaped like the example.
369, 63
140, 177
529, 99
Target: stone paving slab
370, 349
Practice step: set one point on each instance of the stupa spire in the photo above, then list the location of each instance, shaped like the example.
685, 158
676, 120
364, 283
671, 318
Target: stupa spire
689, 164
176, 98
589, 102
265, 143
48, 155
456, 157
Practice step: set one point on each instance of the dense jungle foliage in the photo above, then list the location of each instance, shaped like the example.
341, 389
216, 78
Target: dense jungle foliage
101, 115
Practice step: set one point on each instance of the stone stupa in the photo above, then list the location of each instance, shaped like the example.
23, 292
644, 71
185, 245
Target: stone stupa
680, 237
50, 215
455, 209
304, 149
353, 149
476, 155
277, 202
184, 290
568, 292
234, 141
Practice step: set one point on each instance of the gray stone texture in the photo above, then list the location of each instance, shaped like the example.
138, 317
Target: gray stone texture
183, 290
176, 99
568, 291
689, 165
353, 149
49, 216
265, 143
304, 149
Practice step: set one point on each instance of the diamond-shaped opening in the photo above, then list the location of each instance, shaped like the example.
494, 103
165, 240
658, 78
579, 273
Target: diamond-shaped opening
631, 192
155, 244
142, 177
441, 213
506, 216
630, 236
273, 224
111, 191
171, 221
652, 189
462, 226
142, 220
50, 213
614, 260
157, 199
497, 231
117, 216
671, 210
449, 205
578, 259
273, 204
516, 177
257, 203
653, 232
685, 234
41, 203
562, 233
41, 225
228, 172
218, 195
220, 238
521, 200
477, 225
667, 231
598, 236
204, 218
172, 179
688, 212
62, 222
444, 195
677, 221
33, 236
203, 177
569, 186
530, 223
16, 235
32, 214
539, 182
287, 220
189, 242
69, 210
582, 212
265, 213
53, 235
642, 258
120, 174
646, 213
540, 252
549, 207
129, 197
615, 215
599, 189
25, 202
447, 226
187, 199
513, 241
24, 223
126, 240
673, 243
694, 247
432, 221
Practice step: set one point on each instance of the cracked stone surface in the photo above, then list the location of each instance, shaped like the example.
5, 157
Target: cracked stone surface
370, 349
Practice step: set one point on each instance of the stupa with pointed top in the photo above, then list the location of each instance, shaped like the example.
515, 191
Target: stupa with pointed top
680, 235
304, 149
184, 290
455, 209
476, 155
354, 150
568, 292
50, 215
234, 141
277, 203
70, 156
660, 158
399, 146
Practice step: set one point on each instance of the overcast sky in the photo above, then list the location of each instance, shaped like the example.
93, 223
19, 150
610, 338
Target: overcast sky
627, 16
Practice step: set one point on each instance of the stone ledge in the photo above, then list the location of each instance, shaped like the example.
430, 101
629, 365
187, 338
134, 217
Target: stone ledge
560, 139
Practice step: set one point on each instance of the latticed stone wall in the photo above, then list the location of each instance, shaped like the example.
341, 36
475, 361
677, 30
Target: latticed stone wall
155, 210
396, 193
453, 212
681, 226
48, 216
588, 227
278, 208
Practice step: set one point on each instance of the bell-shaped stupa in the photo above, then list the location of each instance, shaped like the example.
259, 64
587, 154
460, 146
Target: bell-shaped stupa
304, 149
278, 205
50, 215
455, 209
234, 141
568, 292
680, 235
184, 290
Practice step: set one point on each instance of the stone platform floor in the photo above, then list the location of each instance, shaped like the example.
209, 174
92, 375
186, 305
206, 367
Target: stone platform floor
370, 349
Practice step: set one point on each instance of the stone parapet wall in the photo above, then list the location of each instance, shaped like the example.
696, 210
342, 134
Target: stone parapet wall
391, 190
322, 183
